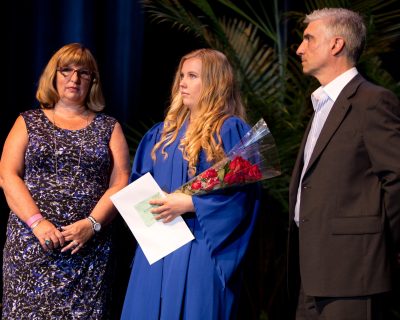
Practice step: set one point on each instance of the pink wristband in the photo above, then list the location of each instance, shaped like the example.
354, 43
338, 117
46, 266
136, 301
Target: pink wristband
33, 219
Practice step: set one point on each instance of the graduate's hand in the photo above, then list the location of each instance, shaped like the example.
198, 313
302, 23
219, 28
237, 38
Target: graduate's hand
173, 205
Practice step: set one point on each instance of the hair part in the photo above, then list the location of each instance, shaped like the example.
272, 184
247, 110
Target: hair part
70, 54
220, 98
344, 23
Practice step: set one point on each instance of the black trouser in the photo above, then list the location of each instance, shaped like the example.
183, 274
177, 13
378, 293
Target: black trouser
340, 308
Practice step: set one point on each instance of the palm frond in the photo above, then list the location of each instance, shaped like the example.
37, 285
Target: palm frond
372, 68
311, 5
176, 13
135, 134
259, 18
258, 63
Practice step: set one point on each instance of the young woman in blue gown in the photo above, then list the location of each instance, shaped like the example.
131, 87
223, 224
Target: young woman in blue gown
200, 280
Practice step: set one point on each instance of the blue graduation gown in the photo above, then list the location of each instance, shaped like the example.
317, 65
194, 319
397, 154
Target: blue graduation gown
201, 279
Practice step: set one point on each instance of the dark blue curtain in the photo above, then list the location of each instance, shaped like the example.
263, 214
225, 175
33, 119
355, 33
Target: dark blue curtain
111, 29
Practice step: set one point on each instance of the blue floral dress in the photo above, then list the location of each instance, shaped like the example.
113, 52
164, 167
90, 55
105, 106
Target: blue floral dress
66, 171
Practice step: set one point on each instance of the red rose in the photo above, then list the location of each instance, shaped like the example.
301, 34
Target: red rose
211, 184
196, 185
238, 164
235, 164
209, 173
229, 178
254, 173
234, 178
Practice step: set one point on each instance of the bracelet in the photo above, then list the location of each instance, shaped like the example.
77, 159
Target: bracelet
36, 223
33, 219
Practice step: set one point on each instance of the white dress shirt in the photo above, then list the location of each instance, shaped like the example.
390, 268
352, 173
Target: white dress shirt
322, 99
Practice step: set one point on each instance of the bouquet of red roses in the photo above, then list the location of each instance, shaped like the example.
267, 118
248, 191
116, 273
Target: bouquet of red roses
254, 158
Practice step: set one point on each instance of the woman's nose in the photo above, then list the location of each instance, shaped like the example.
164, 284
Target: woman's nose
75, 76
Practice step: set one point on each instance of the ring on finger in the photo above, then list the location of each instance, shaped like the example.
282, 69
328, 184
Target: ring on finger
76, 243
48, 242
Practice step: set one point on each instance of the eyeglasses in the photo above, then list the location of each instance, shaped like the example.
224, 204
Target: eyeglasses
67, 72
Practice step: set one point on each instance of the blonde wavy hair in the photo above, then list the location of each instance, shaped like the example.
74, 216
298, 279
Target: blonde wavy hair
77, 54
219, 99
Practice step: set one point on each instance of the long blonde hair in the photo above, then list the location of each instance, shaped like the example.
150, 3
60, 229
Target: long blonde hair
73, 53
219, 99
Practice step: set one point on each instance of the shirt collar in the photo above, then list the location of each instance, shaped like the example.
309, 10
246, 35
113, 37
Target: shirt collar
333, 88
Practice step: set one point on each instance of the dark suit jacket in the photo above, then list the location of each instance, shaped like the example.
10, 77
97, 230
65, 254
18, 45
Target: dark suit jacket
350, 199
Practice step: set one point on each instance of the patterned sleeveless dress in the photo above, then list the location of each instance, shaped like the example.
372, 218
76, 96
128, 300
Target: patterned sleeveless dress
66, 171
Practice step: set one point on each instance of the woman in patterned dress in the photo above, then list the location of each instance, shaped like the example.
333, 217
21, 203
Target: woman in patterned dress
60, 164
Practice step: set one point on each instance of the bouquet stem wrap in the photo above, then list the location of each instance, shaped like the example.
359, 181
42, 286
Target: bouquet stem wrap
254, 158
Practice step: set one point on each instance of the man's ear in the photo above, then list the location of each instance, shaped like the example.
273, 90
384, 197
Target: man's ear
337, 45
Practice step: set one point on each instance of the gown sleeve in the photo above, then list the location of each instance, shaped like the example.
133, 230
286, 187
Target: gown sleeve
143, 162
227, 217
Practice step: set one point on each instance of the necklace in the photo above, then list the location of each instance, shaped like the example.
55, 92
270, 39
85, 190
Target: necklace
57, 152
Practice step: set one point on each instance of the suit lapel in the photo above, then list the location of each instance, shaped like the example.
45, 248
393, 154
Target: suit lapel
335, 118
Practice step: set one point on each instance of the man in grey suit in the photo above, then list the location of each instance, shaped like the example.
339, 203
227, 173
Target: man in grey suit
345, 188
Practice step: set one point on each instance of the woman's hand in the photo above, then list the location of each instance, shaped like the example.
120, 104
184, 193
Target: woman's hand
173, 205
48, 235
78, 233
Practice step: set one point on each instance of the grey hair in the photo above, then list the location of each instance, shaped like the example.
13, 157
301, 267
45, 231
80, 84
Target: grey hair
346, 24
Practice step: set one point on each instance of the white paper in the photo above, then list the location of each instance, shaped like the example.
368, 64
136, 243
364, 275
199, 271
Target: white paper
157, 239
